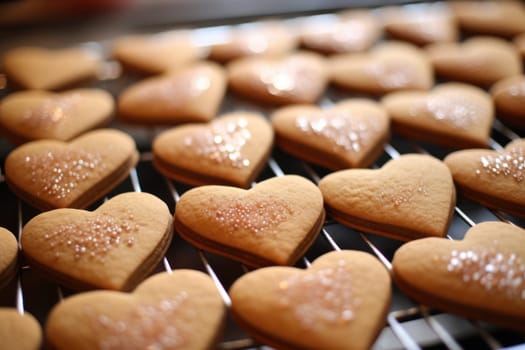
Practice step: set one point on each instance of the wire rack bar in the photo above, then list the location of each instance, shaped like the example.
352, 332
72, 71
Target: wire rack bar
224, 294
443, 334
402, 335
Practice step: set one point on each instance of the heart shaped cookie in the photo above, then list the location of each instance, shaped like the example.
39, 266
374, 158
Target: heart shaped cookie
182, 310
39, 68
8, 256
390, 66
191, 94
452, 114
481, 277
270, 38
298, 78
231, 150
155, 54
19, 331
53, 174
348, 31
494, 179
31, 115
114, 247
509, 99
273, 223
504, 18
349, 135
339, 302
479, 60
408, 198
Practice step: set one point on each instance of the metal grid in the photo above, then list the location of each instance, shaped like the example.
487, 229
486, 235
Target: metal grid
409, 325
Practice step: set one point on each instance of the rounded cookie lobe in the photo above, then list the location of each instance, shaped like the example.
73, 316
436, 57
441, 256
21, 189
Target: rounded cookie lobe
480, 277
179, 310
19, 331
231, 150
410, 197
339, 302
509, 100
273, 223
8, 256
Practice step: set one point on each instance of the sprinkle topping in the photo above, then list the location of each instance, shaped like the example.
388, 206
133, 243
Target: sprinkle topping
223, 142
510, 163
290, 79
401, 195
452, 109
157, 326
322, 296
391, 75
94, 237
50, 112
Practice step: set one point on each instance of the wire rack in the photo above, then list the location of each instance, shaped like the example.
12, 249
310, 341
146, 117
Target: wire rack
409, 325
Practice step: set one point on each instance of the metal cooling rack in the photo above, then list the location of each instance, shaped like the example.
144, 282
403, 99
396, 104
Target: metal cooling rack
409, 325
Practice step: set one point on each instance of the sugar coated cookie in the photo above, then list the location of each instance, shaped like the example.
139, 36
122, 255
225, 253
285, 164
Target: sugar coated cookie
231, 150
480, 277
273, 223
495, 179
54, 174
40, 68
181, 310
32, 115
8, 256
452, 114
19, 331
191, 94
509, 99
390, 66
114, 247
408, 198
349, 135
339, 302
297, 78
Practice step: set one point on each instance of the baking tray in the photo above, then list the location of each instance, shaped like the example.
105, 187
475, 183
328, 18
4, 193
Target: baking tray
409, 324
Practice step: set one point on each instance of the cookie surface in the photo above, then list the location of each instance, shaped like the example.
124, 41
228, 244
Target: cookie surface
390, 66
339, 302
8, 256
509, 100
349, 135
182, 310
39, 68
191, 94
31, 115
231, 150
54, 174
494, 179
479, 60
114, 247
19, 332
297, 78
452, 114
408, 198
479, 277
155, 54
273, 223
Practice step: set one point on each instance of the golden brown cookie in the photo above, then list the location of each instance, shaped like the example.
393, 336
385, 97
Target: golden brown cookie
349, 135
388, 67
509, 100
519, 41
273, 223
408, 198
480, 277
32, 115
339, 302
349, 31
452, 114
298, 78
54, 174
479, 60
231, 150
40, 68
8, 256
255, 39
179, 310
502, 17
19, 331
191, 94
114, 247
494, 179
421, 26
156, 54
